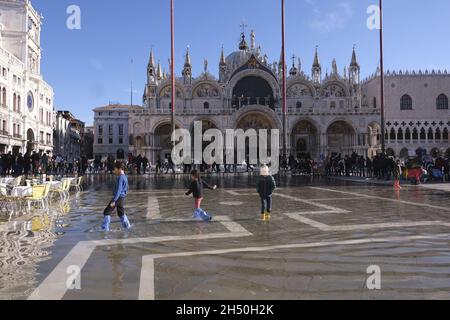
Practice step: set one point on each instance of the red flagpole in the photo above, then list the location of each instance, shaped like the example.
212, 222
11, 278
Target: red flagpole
172, 63
383, 137
283, 54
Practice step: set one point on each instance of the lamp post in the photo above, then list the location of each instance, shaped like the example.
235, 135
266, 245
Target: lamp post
383, 137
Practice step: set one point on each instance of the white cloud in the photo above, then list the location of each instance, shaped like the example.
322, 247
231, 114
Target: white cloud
331, 20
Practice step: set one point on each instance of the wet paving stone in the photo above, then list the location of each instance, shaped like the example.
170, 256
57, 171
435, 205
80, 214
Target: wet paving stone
323, 236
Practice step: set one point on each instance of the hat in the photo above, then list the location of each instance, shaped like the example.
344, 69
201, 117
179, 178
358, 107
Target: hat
264, 171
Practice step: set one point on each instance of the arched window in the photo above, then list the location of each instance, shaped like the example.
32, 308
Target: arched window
298, 106
374, 102
438, 135
19, 101
206, 106
406, 103
4, 97
400, 134
442, 102
445, 135
415, 134
408, 134
430, 134
392, 136
14, 102
423, 134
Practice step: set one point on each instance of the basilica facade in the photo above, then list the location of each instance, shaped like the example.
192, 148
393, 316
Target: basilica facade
327, 113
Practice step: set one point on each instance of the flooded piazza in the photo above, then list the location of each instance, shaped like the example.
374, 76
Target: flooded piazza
323, 238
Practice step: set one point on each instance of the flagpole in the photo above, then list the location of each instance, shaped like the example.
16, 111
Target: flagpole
283, 54
132, 82
172, 63
383, 137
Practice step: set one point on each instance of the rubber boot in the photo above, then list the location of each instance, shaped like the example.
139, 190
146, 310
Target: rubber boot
197, 214
125, 222
106, 223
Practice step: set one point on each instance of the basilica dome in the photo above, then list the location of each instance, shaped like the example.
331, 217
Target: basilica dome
237, 58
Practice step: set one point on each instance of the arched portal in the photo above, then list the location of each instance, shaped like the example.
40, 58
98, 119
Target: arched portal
163, 141
341, 138
206, 125
305, 139
253, 90
257, 121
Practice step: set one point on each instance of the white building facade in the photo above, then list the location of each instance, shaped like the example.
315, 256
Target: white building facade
111, 132
26, 100
417, 111
67, 139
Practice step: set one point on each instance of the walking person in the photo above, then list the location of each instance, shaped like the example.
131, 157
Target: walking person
118, 201
265, 188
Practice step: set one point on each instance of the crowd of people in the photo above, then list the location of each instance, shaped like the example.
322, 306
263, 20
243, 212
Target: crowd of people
387, 167
40, 163
379, 167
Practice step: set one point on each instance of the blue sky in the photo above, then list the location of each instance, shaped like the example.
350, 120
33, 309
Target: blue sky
91, 67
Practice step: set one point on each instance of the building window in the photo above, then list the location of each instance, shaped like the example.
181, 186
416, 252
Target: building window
100, 141
120, 129
120, 140
442, 102
100, 130
392, 136
100, 114
438, 135
408, 134
298, 105
111, 140
111, 129
374, 102
333, 105
406, 103
415, 134
400, 134
206, 105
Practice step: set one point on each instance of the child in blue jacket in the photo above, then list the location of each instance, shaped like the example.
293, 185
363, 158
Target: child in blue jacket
118, 200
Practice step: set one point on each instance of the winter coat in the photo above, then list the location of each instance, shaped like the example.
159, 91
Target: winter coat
266, 186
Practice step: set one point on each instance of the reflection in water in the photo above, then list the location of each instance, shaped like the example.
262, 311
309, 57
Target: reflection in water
22, 247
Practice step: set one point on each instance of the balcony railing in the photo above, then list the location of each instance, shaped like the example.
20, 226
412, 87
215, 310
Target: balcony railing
17, 136
4, 133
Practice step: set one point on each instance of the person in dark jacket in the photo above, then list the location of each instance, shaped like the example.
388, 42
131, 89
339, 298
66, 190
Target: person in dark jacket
197, 188
265, 188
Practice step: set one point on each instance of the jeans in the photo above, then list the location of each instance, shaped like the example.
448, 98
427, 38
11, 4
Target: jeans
266, 204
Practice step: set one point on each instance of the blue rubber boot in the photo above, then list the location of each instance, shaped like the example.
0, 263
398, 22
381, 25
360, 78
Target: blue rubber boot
125, 222
197, 214
205, 216
106, 223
